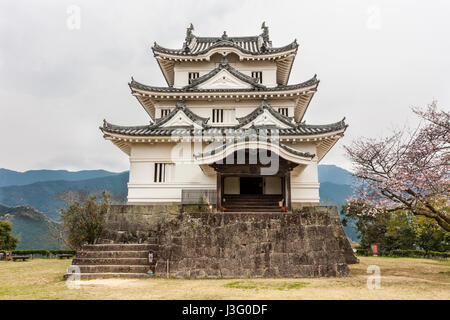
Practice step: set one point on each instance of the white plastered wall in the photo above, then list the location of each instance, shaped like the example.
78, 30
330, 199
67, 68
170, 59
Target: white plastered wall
141, 187
305, 178
240, 109
268, 68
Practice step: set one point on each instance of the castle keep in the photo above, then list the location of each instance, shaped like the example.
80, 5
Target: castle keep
223, 180
227, 128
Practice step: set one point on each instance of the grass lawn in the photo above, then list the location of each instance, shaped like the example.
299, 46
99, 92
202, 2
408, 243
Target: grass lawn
401, 278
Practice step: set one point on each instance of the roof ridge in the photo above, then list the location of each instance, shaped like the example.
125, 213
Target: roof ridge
109, 125
247, 138
255, 113
340, 123
307, 83
224, 65
156, 130
222, 43
181, 106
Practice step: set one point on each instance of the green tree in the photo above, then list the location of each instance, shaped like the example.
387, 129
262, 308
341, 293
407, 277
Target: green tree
83, 221
399, 231
430, 236
371, 228
395, 229
7, 240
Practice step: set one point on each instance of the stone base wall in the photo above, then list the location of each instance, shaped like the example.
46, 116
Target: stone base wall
309, 242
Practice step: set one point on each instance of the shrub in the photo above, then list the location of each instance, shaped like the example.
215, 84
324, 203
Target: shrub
55, 252
407, 253
83, 222
362, 252
28, 252
444, 255
7, 240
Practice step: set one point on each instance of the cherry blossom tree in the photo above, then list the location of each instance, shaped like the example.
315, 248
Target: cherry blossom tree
408, 170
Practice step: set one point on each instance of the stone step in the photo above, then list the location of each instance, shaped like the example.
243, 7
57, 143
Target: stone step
252, 199
110, 261
253, 195
118, 247
251, 210
261, 205
113, 268
105, 275
251, 203
114, 254
255, 212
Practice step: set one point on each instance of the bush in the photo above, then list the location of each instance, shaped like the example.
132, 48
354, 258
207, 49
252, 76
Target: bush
362, 252
28, 252
83, 222
407, 253
437, 254
55, 252
44, 253
7, 240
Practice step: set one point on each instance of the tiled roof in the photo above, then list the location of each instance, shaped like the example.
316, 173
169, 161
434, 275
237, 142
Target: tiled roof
283, 146
181, 106
137, 85
154, 130
224, 65
255, 45
246, 45
265, 106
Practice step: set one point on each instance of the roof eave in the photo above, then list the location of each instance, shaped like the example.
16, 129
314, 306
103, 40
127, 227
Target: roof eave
242, 54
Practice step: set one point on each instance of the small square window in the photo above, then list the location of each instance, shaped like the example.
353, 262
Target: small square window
164, 112
161, 172
217, 116
193, 76
284, 111
257, 75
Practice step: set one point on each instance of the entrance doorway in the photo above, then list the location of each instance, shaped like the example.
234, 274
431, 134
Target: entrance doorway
251, 185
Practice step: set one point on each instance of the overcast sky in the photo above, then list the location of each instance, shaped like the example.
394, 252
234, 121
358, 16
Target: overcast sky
375, 60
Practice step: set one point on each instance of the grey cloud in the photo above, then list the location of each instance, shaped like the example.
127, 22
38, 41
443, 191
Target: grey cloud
57, 85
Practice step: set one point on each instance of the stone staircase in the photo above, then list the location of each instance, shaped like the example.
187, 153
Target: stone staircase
252, 203
114, 261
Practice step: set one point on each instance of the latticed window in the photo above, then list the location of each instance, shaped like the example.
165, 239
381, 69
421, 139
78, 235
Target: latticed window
164, 112
284, 111
257, 75
217, 115
193, 76
161, 173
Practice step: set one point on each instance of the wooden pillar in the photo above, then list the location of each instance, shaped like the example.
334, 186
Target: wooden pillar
219, 191
287, 188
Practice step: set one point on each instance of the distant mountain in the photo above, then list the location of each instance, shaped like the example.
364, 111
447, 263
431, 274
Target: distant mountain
334, 174
334, 188
15, 178
33, 228
336, 195
42, 195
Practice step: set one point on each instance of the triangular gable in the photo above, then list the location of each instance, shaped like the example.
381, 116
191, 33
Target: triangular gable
180, 119
224, 76
267, 119
264, 115
181, 116
224, 80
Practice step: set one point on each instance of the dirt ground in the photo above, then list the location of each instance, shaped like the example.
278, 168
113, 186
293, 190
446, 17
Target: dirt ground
400, 278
